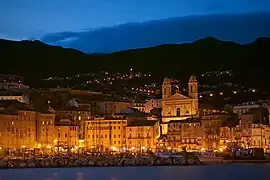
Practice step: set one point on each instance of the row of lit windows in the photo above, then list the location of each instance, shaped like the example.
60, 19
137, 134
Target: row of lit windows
130, 142
105, 136
102, 127
77, 112
47, 122
110, 122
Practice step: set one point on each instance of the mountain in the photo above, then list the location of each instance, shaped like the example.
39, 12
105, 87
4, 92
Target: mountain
34, 60
240, 28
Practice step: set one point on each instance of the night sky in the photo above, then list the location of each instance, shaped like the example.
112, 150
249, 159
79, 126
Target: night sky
34, 19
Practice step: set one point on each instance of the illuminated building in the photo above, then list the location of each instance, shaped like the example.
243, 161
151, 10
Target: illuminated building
121, 135
78, 116
211, 125
105, 135
245, 107
66, 135
111, 106
17, 125
187, 133
142, 135
11, 82
17, 96
178, 106
152, 103
139, 106
45, 130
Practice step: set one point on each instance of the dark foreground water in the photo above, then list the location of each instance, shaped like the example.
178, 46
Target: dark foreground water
207, 172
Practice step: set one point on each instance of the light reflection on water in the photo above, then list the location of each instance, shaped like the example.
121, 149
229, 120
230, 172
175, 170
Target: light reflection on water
210, 172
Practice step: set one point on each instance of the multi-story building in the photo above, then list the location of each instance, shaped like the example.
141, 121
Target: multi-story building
66, 135
244, 107
211, 125
185, 133
252, 136
257, 115
11, 82
111, 107
16, 96
139, 105
152, 103
45, 128
142, 135
77, 115
105, 134
17, 125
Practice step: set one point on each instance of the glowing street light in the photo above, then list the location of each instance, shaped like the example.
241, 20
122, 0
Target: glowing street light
211, 95
221, 93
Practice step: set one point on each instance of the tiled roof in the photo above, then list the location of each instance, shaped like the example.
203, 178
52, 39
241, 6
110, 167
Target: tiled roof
189, 120
142, 123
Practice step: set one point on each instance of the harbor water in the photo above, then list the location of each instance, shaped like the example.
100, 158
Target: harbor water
198, 172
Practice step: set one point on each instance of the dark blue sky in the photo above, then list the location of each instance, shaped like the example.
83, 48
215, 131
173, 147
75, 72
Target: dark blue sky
23, 19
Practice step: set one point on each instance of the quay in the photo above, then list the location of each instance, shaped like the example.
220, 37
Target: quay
95, 161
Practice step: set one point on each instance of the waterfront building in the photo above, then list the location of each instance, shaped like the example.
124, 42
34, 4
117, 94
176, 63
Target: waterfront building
142, 135
17, 125
105, 134
66, 136
77, 115
45, 127
210, 126
186, 133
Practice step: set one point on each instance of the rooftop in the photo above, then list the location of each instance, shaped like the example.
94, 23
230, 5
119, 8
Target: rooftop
189, 120
142, 123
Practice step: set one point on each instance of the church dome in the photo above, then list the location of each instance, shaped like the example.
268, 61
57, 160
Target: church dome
166, 80
192, 79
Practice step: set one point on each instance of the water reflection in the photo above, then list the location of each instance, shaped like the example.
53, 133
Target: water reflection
213, 172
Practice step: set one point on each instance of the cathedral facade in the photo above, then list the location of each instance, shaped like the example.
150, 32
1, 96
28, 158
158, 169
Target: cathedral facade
178, 106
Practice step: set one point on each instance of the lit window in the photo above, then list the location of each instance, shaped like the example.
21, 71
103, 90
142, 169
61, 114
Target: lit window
178, 112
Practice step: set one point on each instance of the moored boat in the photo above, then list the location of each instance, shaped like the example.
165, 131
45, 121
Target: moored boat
209, 157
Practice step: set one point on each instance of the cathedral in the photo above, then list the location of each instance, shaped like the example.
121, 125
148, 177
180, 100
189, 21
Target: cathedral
178, 106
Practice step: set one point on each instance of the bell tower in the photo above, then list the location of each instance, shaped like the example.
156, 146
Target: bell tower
193, 87
193, 93
166, 88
